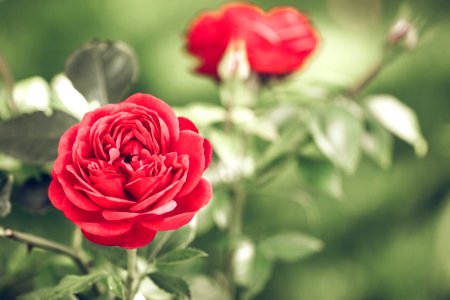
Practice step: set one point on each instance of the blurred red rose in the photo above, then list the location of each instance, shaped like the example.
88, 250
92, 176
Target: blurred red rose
277, 42
129, 170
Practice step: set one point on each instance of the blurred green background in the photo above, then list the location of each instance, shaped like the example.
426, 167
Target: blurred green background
389, 238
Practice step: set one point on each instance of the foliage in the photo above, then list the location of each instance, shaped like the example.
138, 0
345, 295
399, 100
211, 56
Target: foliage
324, 136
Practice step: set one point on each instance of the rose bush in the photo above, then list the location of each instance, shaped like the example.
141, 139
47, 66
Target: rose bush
129, 170
277, 42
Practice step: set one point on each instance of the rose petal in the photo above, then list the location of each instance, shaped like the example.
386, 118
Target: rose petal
186, 209
162, 196
164, 111
191, 144
136, 237
119, 215
186, 124
105, 229
56, 193
208, 152
108, 202
67, 139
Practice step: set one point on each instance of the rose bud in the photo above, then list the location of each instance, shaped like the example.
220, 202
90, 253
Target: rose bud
403, 33
129, 170
277, 43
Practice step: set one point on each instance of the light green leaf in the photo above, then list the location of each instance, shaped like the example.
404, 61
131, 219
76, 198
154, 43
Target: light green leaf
180, 255
321, 175
102, 70
34, 137
171, 284
377, 143
290, 246
202, 114
68, 99
337, 133
184, 236
68, 286
32, 94
235, 159
221, 208
6, 184
398, 119
252, 268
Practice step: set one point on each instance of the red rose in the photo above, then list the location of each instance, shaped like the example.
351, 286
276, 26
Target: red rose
129, 170
277, 42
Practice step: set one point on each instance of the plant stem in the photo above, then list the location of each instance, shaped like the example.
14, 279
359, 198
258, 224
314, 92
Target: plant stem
9, 82
152, 256
160, 245
42, 243
359, 86
235, 233
129, 290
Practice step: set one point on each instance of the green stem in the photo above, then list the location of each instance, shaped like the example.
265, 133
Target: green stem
42, 243
234, 234
165, 238
7, 76
359, 86
129, 290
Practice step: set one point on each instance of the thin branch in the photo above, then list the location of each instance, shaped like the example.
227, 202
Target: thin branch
359, 86
42, 243
160, 245
9, 82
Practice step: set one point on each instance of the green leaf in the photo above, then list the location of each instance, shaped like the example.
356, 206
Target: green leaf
202, 114
260, 274
102, 71
321, 175
67, 287
251, 267
67, 98
337, 133
6, 184
180, 255
115, 284
32, 94
171, 284
377, 143
235, 159
399, 119
34, 137
184, 236
290, 246
33, 194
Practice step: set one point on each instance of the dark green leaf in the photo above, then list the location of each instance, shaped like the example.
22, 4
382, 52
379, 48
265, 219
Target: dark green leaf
180, 255
171, 284
290, 246
321, 175
6, 183
33, 194
34, 137
377, 144
68, 286
102, 71
337, 133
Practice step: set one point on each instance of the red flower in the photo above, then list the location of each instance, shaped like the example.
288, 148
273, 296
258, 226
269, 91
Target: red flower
277, 42
129, 170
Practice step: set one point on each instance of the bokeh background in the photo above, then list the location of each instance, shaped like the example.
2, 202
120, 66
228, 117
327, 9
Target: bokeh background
389, 237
